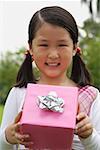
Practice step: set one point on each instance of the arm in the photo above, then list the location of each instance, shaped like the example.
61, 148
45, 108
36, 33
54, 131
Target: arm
9, 113
10, 135
92, 142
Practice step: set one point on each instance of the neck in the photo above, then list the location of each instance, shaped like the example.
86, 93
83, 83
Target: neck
63, 81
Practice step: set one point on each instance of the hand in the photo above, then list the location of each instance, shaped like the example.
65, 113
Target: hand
13, 135
84, 127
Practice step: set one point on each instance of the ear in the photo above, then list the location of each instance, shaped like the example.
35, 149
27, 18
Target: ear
31, 51
74, 49
74, 52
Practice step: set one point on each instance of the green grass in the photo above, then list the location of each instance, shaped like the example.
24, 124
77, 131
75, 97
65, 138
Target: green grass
1, 112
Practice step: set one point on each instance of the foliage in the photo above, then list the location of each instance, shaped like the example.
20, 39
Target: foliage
91, 46
1, 112
9, 65
90, 6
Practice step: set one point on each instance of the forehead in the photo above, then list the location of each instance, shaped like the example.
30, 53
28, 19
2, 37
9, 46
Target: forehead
48, 30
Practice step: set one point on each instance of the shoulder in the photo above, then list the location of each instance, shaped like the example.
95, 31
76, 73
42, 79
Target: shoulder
15, 95
88, 91
17, 91
87, 96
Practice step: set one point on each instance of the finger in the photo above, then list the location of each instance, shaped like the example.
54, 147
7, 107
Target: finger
78, 109
29, 145
81, 116
82, 122
85, 128
85, 134
17, 127
18, 117
22, 138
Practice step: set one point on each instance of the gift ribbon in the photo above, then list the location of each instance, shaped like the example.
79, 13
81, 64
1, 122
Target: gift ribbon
51, 102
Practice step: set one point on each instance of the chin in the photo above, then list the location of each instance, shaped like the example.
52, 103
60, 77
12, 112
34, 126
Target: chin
53, 76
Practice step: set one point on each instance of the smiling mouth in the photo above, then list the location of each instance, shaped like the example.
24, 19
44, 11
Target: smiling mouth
52, 64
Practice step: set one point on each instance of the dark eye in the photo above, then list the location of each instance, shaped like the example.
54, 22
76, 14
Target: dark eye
43, 45
62, 45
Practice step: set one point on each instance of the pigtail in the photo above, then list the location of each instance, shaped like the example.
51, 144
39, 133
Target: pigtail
25, 73
80, 74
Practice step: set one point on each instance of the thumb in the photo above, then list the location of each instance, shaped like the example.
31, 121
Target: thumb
17, 127
18, 117
78, 109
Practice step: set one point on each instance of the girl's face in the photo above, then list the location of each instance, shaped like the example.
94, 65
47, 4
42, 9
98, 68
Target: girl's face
52, 50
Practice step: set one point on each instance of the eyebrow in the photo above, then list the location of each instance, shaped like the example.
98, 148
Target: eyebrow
44, 40
63, 40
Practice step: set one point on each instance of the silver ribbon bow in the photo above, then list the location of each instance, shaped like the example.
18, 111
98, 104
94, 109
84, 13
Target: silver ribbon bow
51, 102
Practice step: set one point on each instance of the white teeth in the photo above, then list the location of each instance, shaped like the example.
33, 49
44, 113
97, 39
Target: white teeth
52, 64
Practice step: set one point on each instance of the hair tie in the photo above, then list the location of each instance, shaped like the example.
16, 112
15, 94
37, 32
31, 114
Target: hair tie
26, 52
78, 50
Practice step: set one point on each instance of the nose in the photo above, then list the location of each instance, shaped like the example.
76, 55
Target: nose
53, 53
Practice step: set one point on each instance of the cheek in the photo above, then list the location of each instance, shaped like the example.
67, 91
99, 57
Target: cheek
68, 56
67, 59
39, 58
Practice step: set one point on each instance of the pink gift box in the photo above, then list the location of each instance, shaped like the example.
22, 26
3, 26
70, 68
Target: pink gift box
50, 130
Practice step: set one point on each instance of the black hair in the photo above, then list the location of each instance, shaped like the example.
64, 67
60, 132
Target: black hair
25, 74
57, 16
80, 73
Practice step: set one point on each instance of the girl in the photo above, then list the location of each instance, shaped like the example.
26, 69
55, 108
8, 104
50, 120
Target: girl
53, 37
